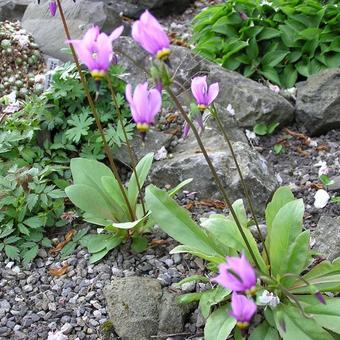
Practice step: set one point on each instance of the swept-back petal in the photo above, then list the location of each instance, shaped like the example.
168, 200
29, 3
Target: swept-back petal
213, 92
116, 33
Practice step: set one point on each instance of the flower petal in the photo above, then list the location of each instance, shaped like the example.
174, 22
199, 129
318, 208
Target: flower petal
213, 92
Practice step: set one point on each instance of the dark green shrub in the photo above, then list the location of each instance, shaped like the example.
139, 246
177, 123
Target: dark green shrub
283, 41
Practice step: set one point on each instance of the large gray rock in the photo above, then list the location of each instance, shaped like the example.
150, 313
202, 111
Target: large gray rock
189, 162
13, 9
327, 237
251, 101
139, 308
154, 140
318, 102
133, 8
48, 31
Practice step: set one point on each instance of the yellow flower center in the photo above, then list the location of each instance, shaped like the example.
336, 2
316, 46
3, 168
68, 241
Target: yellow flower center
201, 107
98, 75
242, 325
251, 291
143, 127
163, 54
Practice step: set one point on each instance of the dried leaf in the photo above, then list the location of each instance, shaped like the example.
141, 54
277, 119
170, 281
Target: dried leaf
156, 243
59, 271
305, 139
54, 251
323, 147
212, 203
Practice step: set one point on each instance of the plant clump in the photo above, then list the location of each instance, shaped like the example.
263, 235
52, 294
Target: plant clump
20, 61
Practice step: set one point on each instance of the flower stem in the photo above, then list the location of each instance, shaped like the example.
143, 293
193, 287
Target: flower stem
244, 185
214, 173
132, 155
95, 114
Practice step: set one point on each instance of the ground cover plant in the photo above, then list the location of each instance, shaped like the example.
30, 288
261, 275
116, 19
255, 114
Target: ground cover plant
36, 144
279, 41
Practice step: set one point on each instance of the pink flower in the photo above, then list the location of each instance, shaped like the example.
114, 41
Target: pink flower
52, 6
186, 127
243, 310
237, 274
204, 96
148, 33
144, 105
95, 50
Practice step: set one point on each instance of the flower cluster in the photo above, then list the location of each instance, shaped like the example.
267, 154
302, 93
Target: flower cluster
238, 275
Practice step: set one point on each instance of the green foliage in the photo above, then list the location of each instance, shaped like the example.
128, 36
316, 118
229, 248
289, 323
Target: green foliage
28, 204
279, 40
36, 145
263, 129
286, 273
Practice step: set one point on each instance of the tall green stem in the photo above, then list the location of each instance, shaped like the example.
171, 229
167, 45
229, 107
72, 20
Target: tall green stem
132, 155
244, 185
95, 113
214, 173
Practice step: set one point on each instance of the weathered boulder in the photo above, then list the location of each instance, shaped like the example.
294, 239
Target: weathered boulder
13, 9
318, 102
327, 237
251, 101
162, 8
189, 162
48, 31
140, 309
153, 141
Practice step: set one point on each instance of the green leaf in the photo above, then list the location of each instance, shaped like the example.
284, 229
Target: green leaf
252, 50
30, 254
142, 169
176, 222
193, 278
286, 227
278, 148
271, 74
127, 225
289, 76
261, 129
12, 252
68, 249
211, 298
226, 231
81, 124
94, 242
219, 325
273, 58
34, 222
139, 243
179, 187
90, 172
268, 33
189, 297
90, 200
281, 197
264, 332
327, 316
197, 252
309, 33
24, 230
297, 326
272, 127
98, 256
298, 256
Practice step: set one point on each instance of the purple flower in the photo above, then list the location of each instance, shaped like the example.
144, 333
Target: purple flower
237, 274
204, 96
243, 309
186, 127
144, 105
148, 33
52, 6
95, 50
243, 16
